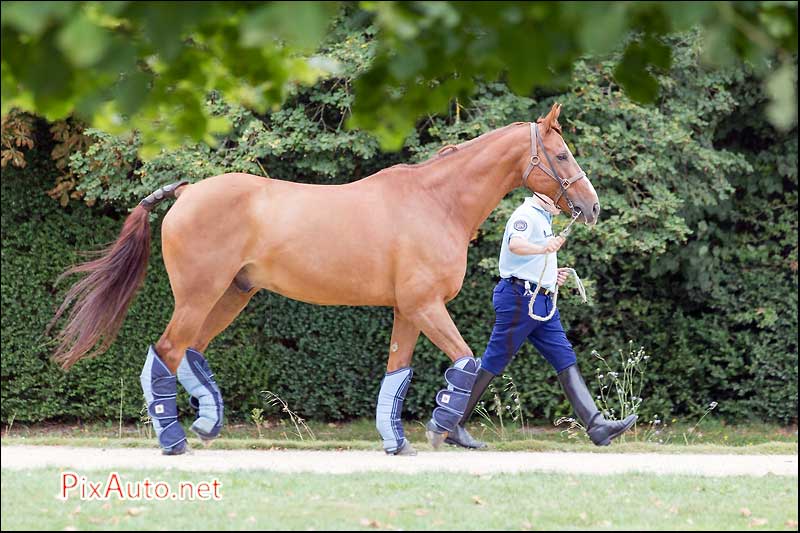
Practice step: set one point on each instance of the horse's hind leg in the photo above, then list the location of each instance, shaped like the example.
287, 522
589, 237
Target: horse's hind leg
197, 288
162, 368
187, 321
224, 312
194, 372
395, 385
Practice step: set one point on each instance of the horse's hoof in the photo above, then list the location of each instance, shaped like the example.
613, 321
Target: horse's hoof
435, 437
179, 449
405, 449
204, 438
461, 437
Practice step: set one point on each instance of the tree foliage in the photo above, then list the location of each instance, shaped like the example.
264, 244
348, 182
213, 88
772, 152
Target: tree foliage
150, 65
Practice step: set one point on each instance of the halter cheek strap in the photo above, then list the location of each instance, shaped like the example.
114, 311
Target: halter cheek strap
563, 184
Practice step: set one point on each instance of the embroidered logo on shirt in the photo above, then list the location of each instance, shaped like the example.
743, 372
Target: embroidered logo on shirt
520, 225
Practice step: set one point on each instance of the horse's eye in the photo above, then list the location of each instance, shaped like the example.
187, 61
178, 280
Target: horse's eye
562, 157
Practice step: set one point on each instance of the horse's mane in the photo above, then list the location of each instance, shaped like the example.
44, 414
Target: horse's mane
450, 149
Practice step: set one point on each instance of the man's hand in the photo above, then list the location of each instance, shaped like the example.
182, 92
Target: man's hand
553, 244
562, 276
520, 246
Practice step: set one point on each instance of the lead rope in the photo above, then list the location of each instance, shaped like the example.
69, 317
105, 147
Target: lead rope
534, 294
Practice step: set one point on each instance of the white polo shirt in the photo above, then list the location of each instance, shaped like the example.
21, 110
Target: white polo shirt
533, 224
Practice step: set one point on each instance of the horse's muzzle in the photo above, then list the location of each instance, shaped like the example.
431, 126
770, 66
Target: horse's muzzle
595, 214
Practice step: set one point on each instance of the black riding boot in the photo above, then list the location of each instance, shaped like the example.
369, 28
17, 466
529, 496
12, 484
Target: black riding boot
460, 436
600, 430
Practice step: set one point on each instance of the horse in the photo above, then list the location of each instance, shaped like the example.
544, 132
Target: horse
397, 238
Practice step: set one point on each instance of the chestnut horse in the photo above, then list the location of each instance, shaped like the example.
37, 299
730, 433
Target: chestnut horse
397, 238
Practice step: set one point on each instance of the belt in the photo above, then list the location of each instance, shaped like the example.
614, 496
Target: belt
521, 282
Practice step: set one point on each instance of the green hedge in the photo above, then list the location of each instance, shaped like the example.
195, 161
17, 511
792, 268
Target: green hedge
695, 257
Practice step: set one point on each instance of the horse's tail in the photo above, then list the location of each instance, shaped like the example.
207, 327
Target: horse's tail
103, 296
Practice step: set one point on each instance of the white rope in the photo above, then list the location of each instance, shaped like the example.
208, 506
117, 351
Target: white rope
571, 271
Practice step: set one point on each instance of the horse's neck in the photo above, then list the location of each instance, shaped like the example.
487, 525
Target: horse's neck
473, 183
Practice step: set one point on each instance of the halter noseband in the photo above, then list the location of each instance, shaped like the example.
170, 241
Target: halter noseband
563, 184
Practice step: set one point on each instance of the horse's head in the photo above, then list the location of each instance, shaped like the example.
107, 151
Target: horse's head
553, 171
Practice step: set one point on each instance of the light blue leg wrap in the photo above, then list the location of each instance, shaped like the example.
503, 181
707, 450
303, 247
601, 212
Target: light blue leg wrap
160, 392
452, 401
196, 377
390, 406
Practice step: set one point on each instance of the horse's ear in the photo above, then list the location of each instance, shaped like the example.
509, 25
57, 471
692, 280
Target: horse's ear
551, 120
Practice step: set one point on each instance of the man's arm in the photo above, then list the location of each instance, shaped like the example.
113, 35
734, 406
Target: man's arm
520, 246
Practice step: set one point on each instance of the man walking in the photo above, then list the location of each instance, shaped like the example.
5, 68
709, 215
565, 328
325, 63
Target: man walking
528, 254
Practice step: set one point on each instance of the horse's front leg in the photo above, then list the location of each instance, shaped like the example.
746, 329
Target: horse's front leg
395, 386
435, 322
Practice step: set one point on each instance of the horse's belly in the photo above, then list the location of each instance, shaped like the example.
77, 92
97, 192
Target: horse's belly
351, 287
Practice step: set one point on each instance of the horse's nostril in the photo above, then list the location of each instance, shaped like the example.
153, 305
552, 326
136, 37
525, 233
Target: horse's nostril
596, 210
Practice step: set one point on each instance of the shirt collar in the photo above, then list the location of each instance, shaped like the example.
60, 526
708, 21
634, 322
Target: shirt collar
534, 205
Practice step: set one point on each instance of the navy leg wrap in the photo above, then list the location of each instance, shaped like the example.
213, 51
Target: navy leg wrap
160, 392
196, 377
390, 406
452, 401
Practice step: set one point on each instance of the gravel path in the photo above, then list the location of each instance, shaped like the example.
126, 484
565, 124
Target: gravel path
344, 462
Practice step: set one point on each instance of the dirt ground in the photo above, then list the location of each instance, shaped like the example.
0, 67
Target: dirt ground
344, 462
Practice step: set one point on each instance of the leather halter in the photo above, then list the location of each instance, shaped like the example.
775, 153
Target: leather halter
563, 184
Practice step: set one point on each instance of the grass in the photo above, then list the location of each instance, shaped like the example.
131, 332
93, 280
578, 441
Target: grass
711, 437
271, 501
771, 448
